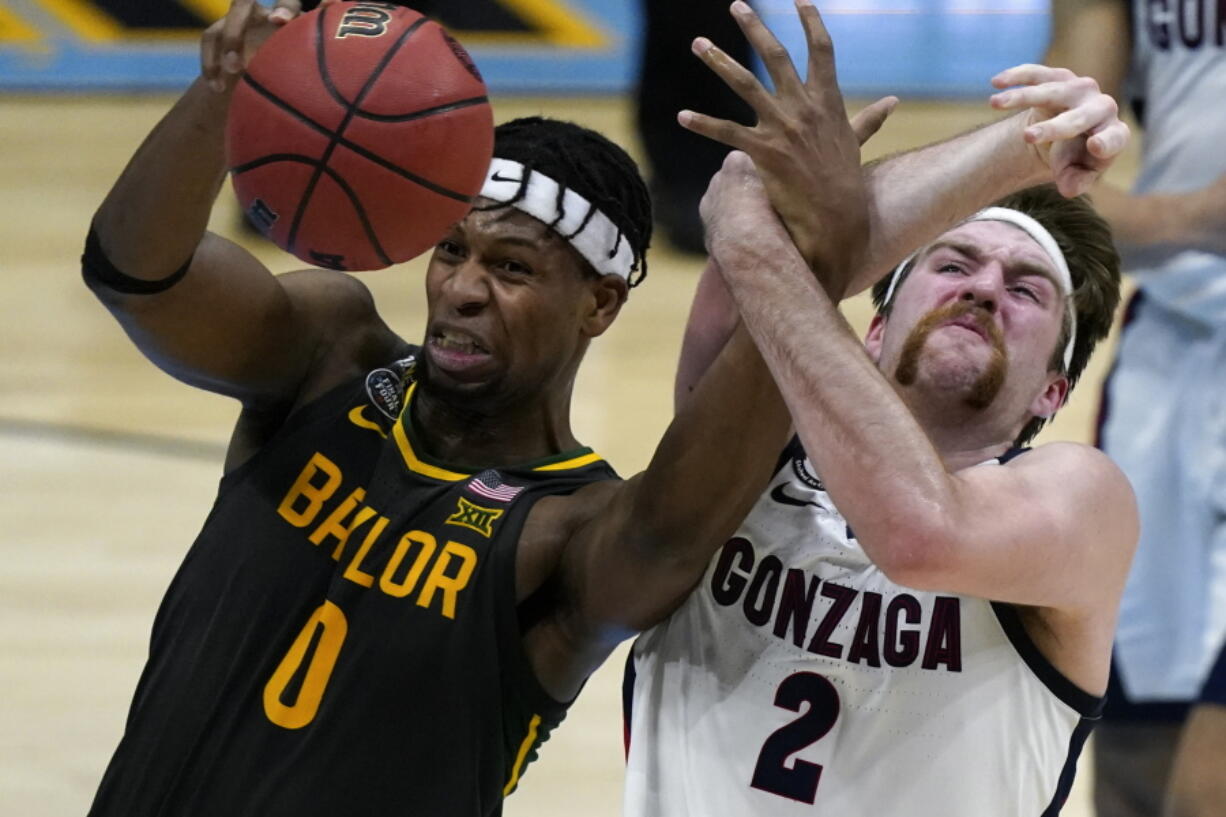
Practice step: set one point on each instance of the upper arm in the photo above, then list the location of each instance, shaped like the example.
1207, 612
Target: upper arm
232, 327
622, 556
1092, 38
1054, 528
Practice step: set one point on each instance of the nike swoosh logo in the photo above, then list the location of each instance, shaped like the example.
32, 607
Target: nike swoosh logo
496, 177
780, 496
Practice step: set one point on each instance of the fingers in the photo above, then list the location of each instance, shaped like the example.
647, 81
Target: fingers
1060, 94
775, 57
1031, 74
1109, 141
737, 77
870, 119
233, 28
285, 10
210, 58
1090, 114
1075, 180
821, 47
720, 130
226, 45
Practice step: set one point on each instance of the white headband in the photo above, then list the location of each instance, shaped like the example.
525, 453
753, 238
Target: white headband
574, 218
1041, 237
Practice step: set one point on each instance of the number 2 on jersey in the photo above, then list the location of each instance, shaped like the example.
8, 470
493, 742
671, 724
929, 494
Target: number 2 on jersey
771, 772
317, 645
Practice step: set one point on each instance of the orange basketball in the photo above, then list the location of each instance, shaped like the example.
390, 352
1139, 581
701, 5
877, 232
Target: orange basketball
360, 132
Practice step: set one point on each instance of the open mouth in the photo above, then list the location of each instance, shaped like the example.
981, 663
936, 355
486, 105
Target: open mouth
459, 354
449, 340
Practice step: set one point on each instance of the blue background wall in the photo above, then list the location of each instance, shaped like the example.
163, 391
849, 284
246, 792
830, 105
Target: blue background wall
911, 47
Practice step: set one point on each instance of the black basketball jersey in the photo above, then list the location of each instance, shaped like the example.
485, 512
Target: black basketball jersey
343, 638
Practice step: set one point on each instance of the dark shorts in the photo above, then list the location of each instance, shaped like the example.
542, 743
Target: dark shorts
1214, 690
1119, 708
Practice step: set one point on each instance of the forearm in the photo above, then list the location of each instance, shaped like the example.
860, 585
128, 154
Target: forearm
875, 459
716, 455
155, 215
1150, 221
711, 322
641, 555
915, 196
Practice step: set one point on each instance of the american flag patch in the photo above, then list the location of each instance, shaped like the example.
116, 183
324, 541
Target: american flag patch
490, 485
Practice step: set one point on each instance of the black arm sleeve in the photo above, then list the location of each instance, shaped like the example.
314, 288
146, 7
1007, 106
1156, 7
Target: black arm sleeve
97, 270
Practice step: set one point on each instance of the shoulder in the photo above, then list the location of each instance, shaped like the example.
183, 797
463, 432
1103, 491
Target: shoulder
1086, 467
350, 334
552, 523
1087, 488
328, 298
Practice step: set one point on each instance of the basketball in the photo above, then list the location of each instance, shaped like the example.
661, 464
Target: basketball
359, 133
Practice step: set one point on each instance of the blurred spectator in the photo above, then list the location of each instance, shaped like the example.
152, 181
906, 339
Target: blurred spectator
1163, 416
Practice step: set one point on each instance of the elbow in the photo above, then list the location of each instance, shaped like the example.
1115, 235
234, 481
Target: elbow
914, 557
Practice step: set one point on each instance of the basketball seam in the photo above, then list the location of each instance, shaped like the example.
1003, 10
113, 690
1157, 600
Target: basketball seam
320, 166
424, 112
350, 109
322, 64
358, 149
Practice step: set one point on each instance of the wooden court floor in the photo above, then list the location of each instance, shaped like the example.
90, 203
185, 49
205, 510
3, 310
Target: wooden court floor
109, 466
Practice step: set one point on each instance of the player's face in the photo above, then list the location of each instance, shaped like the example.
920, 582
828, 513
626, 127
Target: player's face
510, 308
979, 317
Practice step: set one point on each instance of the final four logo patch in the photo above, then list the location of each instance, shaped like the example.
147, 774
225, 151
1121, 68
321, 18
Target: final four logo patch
474, 517
386, 387
800, 466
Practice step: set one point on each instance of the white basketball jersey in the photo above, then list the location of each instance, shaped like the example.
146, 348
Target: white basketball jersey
798, 680
1179, 73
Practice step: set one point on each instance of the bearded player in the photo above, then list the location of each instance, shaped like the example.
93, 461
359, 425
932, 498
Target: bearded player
916, 617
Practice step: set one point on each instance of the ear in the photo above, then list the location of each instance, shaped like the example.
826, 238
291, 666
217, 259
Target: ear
1052, 398
608, 293
875, 337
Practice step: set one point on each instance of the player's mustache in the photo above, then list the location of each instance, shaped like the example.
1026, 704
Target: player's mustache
908, 365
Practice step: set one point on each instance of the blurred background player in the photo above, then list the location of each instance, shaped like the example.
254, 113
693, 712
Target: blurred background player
1163, 415
681, 163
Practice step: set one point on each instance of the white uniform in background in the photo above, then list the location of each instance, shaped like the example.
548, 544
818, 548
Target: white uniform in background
1164, 413
798, 680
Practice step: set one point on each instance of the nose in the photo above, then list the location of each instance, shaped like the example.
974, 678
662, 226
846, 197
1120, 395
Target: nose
467, 288
984, 287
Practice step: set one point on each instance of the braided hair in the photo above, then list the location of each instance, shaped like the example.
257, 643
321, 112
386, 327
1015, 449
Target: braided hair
582, 160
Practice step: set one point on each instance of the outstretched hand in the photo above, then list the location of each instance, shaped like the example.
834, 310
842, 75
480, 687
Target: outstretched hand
805, 150
1073, 126
228, 45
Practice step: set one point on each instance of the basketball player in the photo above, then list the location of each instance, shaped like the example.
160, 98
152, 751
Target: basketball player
916, 617
1161, 415
365, 624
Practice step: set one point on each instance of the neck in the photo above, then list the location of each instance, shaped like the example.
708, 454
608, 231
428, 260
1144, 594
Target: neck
467, 432
961, 435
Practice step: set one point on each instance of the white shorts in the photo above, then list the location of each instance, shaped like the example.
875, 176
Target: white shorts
1164, 422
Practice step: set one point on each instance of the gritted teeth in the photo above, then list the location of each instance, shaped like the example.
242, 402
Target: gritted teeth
458, 341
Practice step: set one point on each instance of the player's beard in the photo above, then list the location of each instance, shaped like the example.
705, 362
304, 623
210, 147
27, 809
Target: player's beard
985, 388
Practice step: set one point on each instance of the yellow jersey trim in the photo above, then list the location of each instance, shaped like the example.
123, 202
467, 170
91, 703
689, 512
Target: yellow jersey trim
420, 466
576, 462
524, 749
415, 464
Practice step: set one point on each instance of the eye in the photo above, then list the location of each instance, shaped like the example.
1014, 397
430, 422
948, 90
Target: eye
950, 266
450, 247
1025, 292
513, 267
